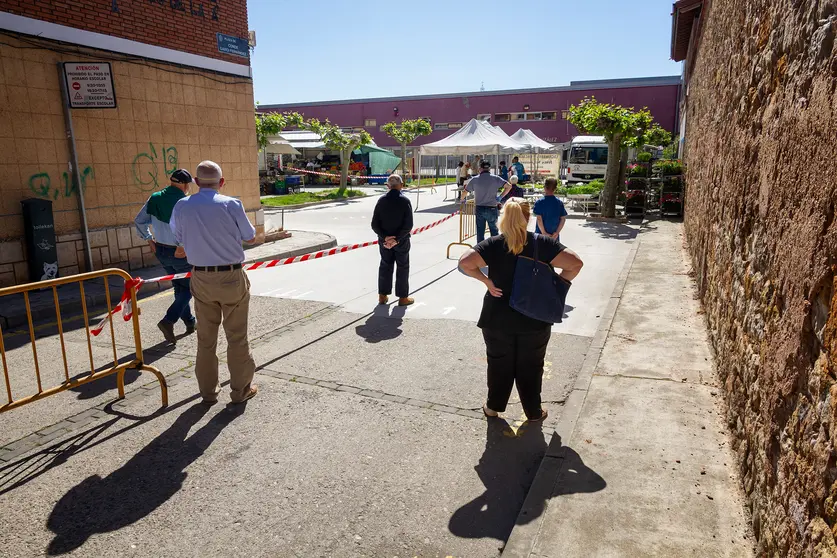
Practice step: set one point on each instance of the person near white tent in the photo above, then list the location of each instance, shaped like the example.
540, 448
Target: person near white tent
503, 171
485, 187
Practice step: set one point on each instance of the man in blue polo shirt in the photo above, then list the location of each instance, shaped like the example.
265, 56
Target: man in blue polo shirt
485, 187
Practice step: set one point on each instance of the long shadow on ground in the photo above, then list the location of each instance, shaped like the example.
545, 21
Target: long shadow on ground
145, 482
507, 468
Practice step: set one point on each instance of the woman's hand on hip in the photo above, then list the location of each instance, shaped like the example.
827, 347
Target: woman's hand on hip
492, 288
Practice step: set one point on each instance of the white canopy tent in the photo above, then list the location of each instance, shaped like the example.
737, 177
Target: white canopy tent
536, 145
280, 146
474, 138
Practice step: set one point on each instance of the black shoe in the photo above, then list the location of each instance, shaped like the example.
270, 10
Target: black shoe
168, 331
190, 327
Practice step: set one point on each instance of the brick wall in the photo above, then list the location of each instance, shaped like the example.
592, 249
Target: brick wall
167, 117
762, 188
185, 25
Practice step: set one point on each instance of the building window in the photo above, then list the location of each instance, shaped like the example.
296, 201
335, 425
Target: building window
370, 122
425, 118
357, 130
454, 125
440, 126
551, 115
502, 117
565, 114
517, 116
484, 117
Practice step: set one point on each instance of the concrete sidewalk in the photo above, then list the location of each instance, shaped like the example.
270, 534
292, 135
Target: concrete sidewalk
639, 464
13, 307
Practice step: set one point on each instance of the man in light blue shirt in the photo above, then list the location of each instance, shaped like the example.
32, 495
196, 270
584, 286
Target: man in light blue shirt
211, 227
157, 213
485, 187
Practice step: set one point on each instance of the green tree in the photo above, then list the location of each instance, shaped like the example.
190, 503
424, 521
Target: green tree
621, 127
406, 133
337, 140
272, 124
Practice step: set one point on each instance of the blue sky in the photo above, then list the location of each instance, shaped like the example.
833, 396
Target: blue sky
341, 49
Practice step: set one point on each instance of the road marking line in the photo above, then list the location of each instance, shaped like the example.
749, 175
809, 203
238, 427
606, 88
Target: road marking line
303, 294
268, 293
414, 306
287, 293
448, 310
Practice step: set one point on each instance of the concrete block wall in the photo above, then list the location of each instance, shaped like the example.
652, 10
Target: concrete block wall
167, 117
761, 197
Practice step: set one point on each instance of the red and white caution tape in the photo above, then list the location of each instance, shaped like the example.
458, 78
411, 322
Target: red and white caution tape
411, 174
124, 305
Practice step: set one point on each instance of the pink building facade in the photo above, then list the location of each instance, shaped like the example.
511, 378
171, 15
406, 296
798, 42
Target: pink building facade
541, 110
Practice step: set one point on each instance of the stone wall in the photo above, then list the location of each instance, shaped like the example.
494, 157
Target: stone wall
167, 117
762, 187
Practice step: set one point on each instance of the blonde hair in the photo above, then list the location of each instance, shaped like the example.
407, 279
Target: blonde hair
513, 224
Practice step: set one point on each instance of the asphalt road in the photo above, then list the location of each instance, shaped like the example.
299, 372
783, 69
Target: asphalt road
366, 439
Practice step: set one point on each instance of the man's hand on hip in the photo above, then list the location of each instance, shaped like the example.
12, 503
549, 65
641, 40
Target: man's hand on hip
180, 252
152, 245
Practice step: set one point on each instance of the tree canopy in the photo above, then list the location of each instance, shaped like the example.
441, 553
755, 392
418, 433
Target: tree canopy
272, 124
407, 131
611, 121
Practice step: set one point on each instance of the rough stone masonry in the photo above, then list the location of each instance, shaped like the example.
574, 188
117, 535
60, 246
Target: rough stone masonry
762, 175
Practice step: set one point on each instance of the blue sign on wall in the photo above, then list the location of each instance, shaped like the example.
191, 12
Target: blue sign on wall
233, 45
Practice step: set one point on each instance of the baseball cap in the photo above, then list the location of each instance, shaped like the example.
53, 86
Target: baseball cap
485, 164
181, 176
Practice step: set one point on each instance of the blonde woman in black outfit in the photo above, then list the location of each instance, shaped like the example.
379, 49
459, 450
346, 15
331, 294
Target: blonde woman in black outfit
515, 344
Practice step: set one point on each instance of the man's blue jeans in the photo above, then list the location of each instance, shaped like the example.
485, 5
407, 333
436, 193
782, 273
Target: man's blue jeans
486, 215
179, 309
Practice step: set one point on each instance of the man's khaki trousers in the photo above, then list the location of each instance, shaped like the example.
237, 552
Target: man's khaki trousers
222, 297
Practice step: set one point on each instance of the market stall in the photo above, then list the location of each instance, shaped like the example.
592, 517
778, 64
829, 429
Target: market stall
474, 138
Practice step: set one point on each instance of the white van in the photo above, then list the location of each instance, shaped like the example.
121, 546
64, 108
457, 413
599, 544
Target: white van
587, 159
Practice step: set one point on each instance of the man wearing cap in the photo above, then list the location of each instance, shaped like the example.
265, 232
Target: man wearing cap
212, 227
485, 187
157, 213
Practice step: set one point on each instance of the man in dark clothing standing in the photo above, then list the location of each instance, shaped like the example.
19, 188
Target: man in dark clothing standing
392, 222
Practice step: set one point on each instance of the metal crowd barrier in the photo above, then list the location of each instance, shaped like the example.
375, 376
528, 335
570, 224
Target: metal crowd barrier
117, 368
467, 224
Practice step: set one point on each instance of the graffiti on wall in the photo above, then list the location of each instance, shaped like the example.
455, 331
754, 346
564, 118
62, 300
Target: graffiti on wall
41, 184
193, 7
146, 167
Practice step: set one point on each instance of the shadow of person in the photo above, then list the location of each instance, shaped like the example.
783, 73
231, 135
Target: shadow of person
383, 325
145, 482
507, 468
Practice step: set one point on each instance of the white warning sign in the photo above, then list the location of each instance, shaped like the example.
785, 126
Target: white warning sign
90, 84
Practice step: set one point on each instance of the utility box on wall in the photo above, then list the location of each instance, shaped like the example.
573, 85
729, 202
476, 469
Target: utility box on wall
39, 228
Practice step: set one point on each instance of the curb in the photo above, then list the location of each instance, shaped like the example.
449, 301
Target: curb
97, 301
522, 539
331, 243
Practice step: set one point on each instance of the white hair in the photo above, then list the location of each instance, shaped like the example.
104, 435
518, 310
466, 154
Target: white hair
208, 174
395, 180
514, 180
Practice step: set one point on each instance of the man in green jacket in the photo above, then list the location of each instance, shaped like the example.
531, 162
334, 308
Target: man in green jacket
157, 213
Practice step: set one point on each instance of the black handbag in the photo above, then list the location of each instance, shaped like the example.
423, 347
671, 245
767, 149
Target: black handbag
538, 292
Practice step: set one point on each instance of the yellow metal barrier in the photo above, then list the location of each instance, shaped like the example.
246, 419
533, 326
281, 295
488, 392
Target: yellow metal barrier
467, 224
117, 368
